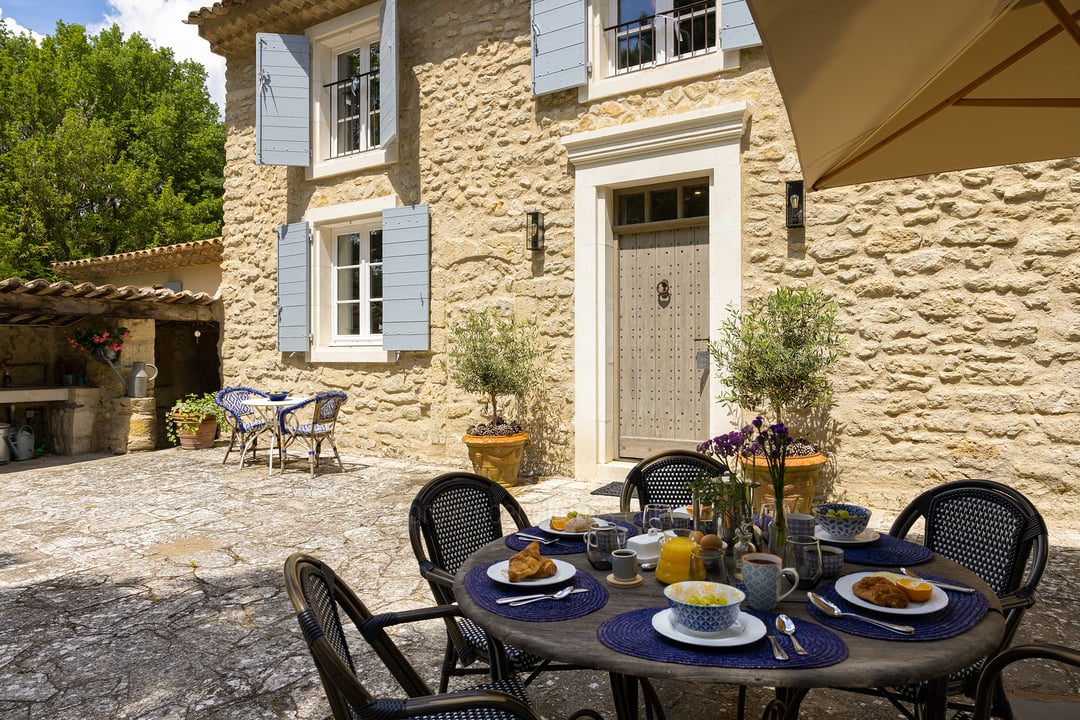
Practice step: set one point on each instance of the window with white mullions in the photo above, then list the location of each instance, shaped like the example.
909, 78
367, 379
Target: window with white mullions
358, 284
655, 32
355, 100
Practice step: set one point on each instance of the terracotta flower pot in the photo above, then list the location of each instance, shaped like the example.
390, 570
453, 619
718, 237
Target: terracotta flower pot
202, 438
800, 480
497, 457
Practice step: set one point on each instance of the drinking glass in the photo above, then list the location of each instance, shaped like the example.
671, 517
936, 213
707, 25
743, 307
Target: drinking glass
656, 517
804, 554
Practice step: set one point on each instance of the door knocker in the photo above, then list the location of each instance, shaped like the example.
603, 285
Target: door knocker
663, 291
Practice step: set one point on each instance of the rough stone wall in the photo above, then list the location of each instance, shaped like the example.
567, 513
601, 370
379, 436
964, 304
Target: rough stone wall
958, 291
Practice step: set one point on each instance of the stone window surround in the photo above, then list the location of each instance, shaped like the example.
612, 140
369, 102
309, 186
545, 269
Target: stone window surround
326, 222
604, 83
328, 40
700, 143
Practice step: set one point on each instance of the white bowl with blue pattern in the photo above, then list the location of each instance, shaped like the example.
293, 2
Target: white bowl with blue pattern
842, 527
704, 607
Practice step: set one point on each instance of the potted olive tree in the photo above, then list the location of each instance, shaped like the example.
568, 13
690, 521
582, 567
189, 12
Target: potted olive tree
773, 356
496, 357
193, 420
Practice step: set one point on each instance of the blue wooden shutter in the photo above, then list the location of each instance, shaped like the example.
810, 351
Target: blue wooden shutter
388, 74
406, 278
737, 29
293, 277
560, 49
282, 99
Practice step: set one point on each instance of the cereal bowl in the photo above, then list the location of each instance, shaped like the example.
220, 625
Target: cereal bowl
844, 521
704, 607
278, 395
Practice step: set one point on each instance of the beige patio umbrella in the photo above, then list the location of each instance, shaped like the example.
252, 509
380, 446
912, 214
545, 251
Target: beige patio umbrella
882, 89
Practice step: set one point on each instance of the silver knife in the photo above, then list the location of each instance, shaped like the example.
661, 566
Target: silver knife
514, 598
777, 651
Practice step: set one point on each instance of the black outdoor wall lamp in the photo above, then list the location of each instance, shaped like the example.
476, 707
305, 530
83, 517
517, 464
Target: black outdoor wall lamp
534, 230
795, 204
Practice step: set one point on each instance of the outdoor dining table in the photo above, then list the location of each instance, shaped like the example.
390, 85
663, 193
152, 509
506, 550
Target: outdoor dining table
842, 653
268, 410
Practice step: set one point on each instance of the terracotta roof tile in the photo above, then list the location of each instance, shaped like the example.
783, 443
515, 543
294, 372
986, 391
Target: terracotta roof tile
199, 252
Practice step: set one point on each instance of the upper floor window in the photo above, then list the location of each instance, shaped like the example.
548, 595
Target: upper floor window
655, 32
354, 101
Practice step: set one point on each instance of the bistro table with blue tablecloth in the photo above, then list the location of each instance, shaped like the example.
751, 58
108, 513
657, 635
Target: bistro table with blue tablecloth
615, 629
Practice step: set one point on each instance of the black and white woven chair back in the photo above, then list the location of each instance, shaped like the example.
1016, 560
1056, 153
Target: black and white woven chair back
663, 478
991, 674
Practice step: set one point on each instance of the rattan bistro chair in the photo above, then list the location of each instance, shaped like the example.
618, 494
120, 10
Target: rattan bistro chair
664, 476
452, 517
990, 678
994, 531
322, 600
245, 424
311, 423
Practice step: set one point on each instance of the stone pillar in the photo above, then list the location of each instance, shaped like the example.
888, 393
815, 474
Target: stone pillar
142, 425
72, 425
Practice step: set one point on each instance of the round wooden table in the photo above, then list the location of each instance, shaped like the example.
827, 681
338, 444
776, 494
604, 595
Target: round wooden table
871, 663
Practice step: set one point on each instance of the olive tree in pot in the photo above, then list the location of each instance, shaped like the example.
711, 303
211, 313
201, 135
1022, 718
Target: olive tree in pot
773, 356
497, 357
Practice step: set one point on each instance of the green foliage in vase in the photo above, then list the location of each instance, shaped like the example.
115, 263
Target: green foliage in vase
107, 145
189, 412
778, 350
494, 356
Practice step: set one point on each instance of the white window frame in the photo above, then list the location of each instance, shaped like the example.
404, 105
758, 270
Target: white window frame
603, 82
329, 40
326, 224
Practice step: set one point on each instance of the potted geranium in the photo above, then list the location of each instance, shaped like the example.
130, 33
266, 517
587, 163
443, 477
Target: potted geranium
773, 356
103, 344
193, 420
497, 357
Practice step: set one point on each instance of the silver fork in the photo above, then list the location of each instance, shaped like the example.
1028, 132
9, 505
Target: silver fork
542, 541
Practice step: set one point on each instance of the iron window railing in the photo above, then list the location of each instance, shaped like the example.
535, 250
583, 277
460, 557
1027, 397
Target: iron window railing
354, 115
684, 32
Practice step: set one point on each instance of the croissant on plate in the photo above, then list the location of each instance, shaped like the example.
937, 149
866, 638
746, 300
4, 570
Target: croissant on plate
529, 565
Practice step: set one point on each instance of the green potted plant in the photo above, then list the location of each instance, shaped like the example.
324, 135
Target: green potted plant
495, 356
773, 356
193, 420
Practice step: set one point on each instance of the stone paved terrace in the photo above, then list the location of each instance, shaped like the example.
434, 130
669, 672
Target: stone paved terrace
149, 586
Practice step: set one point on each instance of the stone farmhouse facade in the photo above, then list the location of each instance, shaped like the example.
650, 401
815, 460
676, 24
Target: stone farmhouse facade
416, 136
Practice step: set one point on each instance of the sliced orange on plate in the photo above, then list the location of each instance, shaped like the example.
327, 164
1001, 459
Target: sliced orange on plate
917, 590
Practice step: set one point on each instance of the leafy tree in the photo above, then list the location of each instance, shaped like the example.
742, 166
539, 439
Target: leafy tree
107, 145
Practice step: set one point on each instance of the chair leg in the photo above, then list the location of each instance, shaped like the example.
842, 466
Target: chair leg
232, 439
448, 664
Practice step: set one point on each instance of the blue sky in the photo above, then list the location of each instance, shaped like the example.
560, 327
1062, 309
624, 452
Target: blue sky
159, 21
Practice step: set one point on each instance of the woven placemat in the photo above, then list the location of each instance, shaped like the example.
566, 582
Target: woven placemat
564, 546
485, 592
887, 551
632, 633
962, 613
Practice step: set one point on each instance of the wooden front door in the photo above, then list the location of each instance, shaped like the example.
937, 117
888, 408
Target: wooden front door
662, 316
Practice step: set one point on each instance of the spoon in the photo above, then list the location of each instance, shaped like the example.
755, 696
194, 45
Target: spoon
647, 565
561, 594
787, 626
832, 610
943, 586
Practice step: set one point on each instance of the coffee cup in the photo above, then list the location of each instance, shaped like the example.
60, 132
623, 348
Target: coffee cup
800, 524
832, 560
624, 565
762, 573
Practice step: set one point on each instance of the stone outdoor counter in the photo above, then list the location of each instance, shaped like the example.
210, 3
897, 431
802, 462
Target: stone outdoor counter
70, 415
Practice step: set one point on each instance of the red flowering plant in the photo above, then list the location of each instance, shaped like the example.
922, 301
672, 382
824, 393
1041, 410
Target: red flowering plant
91, 340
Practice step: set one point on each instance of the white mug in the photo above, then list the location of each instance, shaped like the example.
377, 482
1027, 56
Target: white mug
761, 575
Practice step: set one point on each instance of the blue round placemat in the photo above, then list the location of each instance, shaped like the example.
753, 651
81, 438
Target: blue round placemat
485, 592
886, 551
564, 546
632, 633
962, 613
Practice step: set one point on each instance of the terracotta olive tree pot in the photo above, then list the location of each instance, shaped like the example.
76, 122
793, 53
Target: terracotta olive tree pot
497, 457
800, 480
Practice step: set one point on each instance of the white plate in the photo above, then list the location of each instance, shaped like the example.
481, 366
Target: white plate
747, 629
864, 538
938, 599
564, 572
545, 525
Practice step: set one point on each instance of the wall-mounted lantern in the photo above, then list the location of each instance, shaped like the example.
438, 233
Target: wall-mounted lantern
534, 230
795, 204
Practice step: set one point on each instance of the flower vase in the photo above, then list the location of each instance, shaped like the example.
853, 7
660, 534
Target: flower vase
105, 355
778, 530
695, 511
744, 544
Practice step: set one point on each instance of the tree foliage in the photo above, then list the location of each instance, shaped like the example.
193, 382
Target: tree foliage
107, 145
